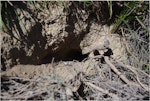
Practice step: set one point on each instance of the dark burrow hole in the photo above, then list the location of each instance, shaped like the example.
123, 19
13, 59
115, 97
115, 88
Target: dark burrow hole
71, 55
75, 55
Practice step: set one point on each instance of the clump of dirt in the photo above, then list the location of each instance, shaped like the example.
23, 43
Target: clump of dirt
67, 54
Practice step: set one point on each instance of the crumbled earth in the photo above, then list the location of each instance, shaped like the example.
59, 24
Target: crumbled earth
60, 56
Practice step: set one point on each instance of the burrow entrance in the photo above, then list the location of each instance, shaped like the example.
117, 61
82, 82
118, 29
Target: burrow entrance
71, 55
66, 33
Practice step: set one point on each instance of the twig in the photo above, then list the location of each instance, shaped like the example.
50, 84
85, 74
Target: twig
142, 24
136, 74
23, 89
23, 97
19, 78
116, 70
115, 97
142, 72
137, 69
36, 94
121, 75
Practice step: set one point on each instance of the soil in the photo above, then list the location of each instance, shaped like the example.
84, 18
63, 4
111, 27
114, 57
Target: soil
55, 33
61, 45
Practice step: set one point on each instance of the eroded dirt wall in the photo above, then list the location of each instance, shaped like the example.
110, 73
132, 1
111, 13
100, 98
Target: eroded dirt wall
59, 32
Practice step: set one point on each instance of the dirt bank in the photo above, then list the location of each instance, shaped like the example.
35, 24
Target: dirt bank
66, 53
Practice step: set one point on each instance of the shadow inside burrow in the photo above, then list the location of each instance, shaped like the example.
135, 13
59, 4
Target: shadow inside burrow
97, 13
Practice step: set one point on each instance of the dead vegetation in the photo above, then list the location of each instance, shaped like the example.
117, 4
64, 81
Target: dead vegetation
69, 53
111, 80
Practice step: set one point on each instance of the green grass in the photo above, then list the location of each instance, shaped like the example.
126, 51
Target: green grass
129, 8
129, 15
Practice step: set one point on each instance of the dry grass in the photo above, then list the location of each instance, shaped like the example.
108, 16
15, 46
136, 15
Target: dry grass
110, 81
